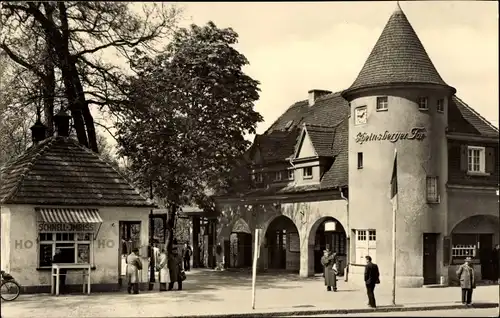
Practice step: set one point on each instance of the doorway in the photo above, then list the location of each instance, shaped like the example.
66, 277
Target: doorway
130, 238
485, 252
283, 245
430, 258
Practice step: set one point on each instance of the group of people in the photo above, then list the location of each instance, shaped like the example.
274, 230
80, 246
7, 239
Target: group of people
170, 268
465, 275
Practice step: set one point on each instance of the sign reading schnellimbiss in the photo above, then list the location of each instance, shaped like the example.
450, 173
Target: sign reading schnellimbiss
65, 227
416, 133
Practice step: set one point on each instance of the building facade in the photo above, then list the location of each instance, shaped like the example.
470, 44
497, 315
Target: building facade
321, 175
60, 195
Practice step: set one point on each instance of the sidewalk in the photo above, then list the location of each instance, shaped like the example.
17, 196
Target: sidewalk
209, 293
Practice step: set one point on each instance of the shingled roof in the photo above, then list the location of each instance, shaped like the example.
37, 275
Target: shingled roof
397, 57
58, 171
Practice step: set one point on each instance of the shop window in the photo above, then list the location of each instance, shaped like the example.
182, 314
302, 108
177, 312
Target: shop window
360, 160
382, 103
423, 103
291, 174
432, 190
308, 172
476, 159
365, 244
464, 245
75, 247
440, 105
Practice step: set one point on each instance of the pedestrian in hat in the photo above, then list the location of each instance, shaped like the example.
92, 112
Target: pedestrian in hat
134, 265
465, 274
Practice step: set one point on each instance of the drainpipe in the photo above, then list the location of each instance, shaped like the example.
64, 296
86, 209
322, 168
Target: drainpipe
348, 237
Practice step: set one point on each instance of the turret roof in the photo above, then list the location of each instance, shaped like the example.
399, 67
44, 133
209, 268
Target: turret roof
398, 57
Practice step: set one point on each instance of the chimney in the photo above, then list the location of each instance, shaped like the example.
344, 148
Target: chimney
314, 94
61, 121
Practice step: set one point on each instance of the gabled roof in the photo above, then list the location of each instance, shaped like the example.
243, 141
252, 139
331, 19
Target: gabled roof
398, 57
464, 119
59, 171
321, 137
276, 146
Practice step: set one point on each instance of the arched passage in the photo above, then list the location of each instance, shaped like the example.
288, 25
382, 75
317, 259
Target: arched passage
240, 245
282, 242
475, 237
327, 232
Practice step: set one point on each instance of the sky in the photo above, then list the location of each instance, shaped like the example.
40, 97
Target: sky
294, 47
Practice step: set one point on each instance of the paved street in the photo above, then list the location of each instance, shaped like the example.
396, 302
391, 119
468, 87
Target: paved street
488, 312
211, 293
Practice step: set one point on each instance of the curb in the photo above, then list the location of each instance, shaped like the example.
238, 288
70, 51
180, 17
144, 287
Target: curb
397, 308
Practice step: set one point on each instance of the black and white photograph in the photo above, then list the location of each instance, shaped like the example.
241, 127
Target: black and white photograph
249, 159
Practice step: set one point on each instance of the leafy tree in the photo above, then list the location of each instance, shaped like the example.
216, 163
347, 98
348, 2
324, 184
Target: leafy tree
188, 111
63, 42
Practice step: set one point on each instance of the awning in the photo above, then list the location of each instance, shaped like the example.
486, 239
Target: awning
69, 215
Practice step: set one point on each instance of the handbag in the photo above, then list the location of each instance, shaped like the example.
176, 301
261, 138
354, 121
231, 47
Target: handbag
183, 276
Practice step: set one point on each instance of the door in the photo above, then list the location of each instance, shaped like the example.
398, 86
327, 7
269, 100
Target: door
227, 253
130, 237
247, 249
430, 258
485, 253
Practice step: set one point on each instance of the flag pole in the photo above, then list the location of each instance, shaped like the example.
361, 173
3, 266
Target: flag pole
256, 254
394, 210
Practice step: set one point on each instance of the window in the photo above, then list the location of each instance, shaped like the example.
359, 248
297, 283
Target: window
291, 174
365, 244
360, 160
423, 103
475, 159
440, 105
75, 247
464, 245
382, 103
259, 178
432, 190
278, 176
308, 172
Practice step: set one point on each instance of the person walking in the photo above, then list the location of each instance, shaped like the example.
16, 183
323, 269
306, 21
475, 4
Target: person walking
372, 278
188, 252
175, 269
134, 265
465, 274
163, 271
329, 261
219, 262
495, 264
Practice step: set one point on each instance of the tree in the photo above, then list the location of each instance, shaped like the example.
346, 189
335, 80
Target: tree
187, 113
71, 36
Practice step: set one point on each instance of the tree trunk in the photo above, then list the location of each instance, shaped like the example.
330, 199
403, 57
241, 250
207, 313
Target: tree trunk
172, 211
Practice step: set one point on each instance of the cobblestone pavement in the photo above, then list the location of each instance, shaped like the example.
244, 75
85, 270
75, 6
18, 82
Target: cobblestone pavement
487, 312
210, 293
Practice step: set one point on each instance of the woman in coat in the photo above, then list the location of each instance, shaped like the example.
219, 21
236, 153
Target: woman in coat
164, 273
175, 269
465, 274
134, 265
329, 261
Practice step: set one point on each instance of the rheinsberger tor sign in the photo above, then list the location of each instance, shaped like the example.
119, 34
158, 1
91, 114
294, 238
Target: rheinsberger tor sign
416, 133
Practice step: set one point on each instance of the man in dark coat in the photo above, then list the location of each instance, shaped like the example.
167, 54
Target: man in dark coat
372, 277
187, 257
59, 257
175, 269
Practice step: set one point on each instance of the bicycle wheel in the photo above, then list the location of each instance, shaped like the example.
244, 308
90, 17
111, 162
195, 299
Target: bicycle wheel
9, 290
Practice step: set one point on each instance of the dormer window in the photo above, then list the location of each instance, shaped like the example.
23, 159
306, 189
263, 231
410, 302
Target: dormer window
382, 103
440, 105
291, 174
423, 103
288, 124
278, 176
308, 172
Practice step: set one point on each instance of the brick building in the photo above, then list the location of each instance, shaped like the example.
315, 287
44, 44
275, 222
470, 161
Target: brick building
321, 175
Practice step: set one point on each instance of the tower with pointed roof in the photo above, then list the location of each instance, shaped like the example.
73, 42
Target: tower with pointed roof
398, 102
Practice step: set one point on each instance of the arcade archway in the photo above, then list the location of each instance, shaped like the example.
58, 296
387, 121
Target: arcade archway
283, 245
328, 232
475, 237
240, 239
